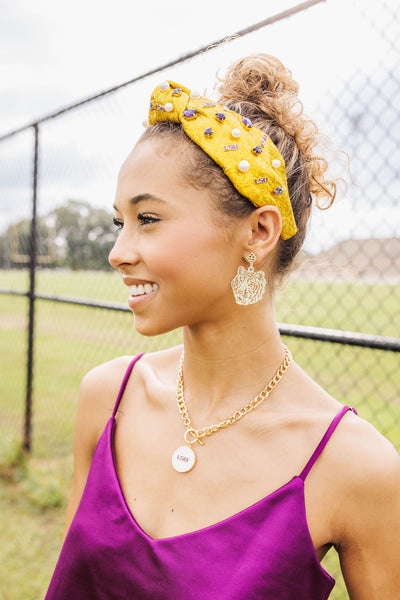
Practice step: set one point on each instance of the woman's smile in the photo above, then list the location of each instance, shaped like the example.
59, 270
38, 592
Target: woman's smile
139, 290
139, 293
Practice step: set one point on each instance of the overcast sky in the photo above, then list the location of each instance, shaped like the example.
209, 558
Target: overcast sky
54, 53
57, 52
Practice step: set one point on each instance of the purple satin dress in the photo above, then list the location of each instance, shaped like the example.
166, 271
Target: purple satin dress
264, 552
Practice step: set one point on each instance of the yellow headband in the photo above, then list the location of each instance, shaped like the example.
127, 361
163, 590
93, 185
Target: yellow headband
247, 155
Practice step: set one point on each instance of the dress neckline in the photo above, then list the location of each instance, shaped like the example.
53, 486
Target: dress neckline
294, 482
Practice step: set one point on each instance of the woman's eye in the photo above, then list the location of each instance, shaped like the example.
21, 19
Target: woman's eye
118, 224
145, 219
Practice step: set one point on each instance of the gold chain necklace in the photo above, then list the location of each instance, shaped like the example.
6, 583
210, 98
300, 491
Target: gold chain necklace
184, 458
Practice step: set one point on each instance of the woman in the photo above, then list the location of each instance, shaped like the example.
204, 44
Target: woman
222, 472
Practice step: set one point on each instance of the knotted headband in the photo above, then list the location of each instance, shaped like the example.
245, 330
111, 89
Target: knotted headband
247, 155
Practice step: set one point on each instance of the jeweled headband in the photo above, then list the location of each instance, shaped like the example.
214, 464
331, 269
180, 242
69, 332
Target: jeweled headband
247, 155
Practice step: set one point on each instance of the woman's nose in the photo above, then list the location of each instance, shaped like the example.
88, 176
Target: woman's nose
123, 252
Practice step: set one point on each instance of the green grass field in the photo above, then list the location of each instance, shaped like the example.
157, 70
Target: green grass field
69, 340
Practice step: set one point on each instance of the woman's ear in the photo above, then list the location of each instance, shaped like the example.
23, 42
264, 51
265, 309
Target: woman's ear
266, 227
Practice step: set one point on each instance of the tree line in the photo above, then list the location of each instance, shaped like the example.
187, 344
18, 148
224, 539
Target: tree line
74, 235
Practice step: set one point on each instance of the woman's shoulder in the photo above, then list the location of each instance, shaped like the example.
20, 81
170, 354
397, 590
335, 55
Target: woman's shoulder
110, 369
363, 453
101, 384
366, 471
357, 448
97, 396
359, 463
104, 380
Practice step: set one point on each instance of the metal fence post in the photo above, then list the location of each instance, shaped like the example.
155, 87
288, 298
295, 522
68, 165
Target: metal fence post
32, 295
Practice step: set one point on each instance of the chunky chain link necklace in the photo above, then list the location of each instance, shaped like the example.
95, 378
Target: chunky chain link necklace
184, 458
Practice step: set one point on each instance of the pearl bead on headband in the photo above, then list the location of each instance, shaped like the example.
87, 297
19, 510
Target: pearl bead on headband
247, 155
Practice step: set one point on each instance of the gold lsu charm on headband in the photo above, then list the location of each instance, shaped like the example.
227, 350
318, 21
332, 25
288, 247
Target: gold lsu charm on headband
247, 155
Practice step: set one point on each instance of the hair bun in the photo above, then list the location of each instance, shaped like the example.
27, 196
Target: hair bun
253, 77
261, 88
259, 83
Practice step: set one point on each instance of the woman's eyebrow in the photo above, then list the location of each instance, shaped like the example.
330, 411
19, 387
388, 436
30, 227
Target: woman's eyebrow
141, 197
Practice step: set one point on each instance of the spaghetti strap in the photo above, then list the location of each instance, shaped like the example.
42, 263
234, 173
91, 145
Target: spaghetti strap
125, 381
325, 440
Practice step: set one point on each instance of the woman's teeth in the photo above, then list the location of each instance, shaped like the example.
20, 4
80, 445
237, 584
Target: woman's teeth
139, 290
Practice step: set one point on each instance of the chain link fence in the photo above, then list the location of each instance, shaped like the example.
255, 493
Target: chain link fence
348, 279
62, 308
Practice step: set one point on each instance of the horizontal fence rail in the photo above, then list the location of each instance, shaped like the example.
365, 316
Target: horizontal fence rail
322, 334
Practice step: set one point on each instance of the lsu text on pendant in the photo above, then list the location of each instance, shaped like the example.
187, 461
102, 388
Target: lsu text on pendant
183, 459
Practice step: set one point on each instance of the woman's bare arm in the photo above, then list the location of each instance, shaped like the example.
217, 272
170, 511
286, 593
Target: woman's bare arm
369, 522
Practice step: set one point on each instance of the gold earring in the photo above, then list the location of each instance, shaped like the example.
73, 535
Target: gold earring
249, 286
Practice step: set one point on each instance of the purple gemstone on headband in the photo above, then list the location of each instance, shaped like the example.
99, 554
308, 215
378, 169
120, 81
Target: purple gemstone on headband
189, 113
177, 92
151, 105
278, 190
208, 132
247, 122
257, 149
220, 116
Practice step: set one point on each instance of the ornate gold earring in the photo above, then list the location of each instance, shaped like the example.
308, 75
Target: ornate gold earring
249, 286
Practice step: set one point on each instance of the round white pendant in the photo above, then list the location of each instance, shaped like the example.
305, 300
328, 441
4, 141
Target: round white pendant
183, 459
